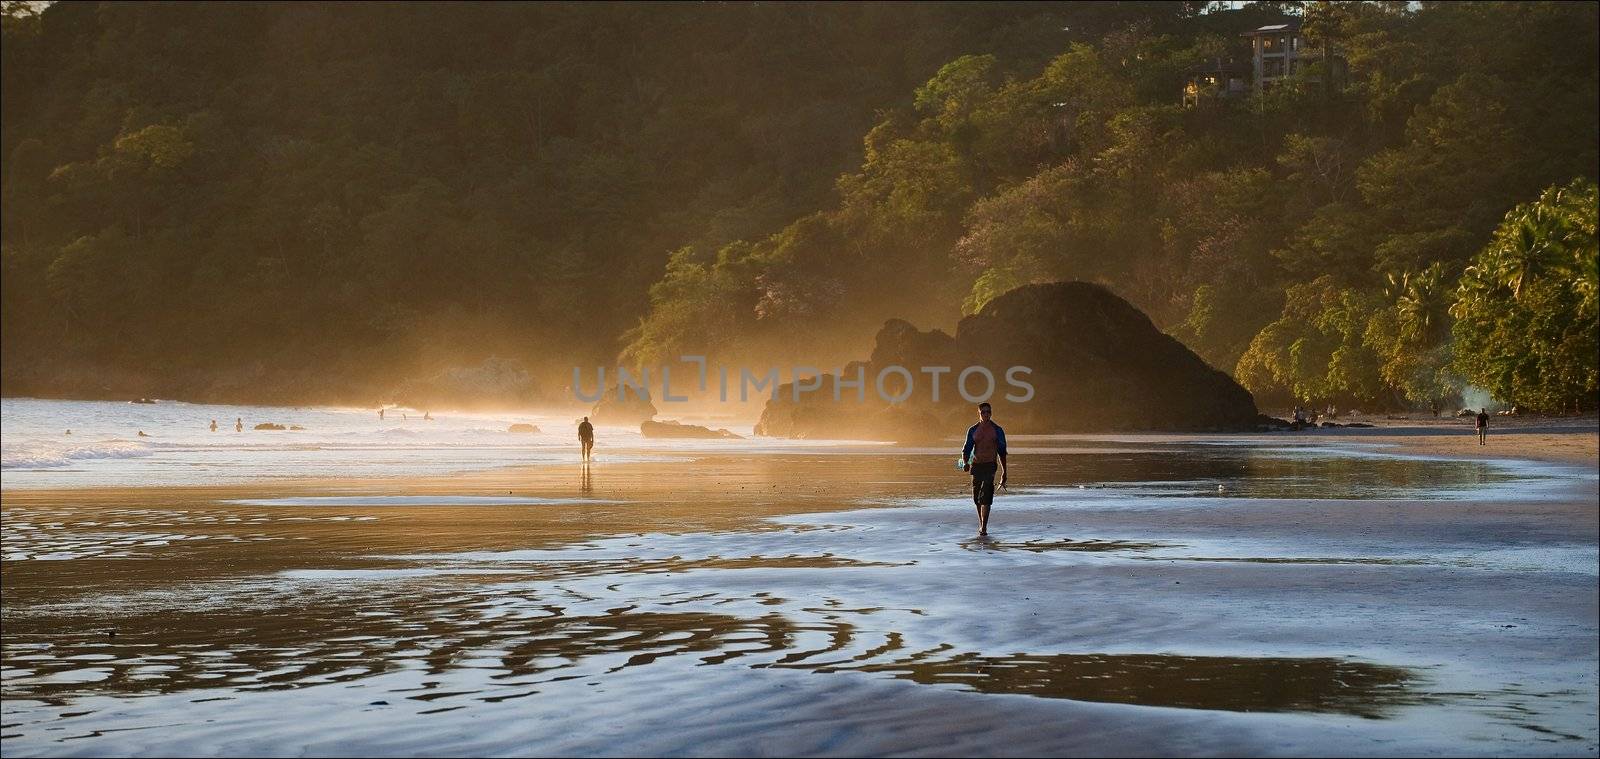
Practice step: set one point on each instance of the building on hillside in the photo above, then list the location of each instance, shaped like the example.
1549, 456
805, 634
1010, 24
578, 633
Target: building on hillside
1279, 51
1217, 79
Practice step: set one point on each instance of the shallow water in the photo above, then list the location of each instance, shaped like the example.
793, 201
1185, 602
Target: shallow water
816, 602
55, 444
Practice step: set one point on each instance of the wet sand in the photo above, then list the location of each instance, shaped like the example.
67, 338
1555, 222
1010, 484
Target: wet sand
826, 603
1567, 440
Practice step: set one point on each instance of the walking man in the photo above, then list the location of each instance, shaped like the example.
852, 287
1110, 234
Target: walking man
586, 437
1483, 425
984, 453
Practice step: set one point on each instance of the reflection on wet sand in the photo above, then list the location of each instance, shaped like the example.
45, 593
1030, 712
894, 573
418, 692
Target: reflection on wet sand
1191, 682
1040, 546
1303, 560
623, 580
237, 652
1299, 474
292, 648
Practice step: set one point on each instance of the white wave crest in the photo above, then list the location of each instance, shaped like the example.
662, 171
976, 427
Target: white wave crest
41, 454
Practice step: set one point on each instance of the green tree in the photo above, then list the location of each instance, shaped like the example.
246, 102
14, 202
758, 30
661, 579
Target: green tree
1317, 351
1526, 326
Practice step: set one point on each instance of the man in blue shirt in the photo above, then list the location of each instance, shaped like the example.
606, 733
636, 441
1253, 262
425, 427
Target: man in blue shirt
984, 453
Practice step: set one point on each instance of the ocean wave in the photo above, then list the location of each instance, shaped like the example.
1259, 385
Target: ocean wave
40, 454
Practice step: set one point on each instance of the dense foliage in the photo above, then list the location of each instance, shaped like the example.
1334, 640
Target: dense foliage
1526, 317
299, 200
1310, 238
255, 195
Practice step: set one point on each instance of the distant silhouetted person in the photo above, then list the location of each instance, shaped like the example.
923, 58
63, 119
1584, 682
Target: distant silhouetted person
427, 416
69, 432
141, 434
984, 453
213, 425
1483, 425
586, 437
238, 424
380, 412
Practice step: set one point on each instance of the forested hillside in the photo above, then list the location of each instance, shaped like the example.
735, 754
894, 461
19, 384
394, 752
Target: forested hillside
294, 201
318, 201
1311, 239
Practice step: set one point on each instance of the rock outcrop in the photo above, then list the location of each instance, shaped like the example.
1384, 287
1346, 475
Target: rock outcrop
1097, 364
668, 428
623, 407
523, 427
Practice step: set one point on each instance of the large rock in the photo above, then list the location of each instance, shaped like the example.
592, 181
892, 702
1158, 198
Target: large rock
669, 428
496, 383
818, 417
1098, 365
624, 407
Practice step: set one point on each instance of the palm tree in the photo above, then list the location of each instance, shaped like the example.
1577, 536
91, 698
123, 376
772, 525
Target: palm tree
1524, 250
1422, 304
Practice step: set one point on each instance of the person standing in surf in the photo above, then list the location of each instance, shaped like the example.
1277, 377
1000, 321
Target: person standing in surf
984, 453
586, 437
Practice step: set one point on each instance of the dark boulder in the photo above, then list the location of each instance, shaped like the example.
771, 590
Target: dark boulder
858, 414
1097, 365
270, 426
899, 343
523, 427
669, 428
624, 407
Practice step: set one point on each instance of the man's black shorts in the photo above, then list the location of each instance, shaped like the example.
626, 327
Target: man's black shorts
983, 483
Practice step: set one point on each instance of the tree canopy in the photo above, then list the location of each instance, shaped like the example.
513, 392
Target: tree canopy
313, 201
232, 199
1308, 238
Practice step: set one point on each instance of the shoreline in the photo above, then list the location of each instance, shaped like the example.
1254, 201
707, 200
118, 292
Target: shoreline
1570, 441
839, 597
1559, 440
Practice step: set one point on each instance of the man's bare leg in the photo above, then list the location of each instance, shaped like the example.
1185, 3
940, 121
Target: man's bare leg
983, 519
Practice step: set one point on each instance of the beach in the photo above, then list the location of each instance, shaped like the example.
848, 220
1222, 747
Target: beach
1564, 440
1355, 591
